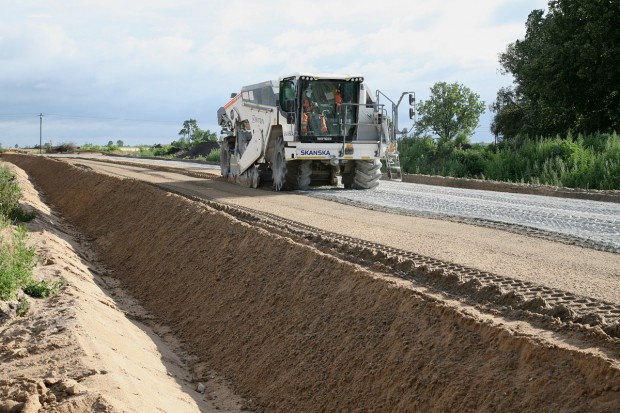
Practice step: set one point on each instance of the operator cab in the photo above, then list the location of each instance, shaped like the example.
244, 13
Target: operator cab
326, 110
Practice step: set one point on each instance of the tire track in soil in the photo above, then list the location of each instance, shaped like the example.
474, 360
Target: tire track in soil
511, 296
514, 298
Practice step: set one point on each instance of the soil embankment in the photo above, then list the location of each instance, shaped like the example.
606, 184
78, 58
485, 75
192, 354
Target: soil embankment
299, 330
90, 348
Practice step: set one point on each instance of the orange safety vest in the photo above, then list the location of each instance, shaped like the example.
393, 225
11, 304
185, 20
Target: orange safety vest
323, 124
307, 106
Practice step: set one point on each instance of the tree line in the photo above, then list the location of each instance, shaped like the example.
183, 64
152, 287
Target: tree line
560, 118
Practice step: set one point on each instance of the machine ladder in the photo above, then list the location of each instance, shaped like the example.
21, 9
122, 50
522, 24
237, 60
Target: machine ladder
392, 164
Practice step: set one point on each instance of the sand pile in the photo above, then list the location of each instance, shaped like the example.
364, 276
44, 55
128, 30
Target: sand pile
298, 330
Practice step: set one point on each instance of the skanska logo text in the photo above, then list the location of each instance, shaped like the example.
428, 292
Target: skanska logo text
314, 152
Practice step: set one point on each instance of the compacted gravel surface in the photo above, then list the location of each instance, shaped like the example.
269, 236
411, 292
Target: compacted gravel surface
597, 223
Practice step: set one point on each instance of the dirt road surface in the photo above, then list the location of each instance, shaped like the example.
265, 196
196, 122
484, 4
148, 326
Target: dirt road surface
306, 321
578, 270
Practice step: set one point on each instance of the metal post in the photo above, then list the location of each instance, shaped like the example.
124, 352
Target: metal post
40, 133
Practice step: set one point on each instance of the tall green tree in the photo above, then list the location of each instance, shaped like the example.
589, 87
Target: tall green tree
203, 136
508, 119
451, 109
566, 69
189, 127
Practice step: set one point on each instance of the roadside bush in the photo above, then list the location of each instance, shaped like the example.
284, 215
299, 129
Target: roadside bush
213, 156
9, 192
9, 196
585, 161
472, 161
22, 307
43, 288
16, 259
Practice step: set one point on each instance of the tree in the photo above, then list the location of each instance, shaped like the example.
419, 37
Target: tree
189, 127
508, 119
120, 143
110, 143
203, 136
451, 109
565, 69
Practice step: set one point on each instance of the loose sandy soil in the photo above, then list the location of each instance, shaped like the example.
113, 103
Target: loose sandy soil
292, 328
86, 350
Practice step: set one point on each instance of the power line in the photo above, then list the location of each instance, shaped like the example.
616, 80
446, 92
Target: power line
91, 117
17, 115
112, 118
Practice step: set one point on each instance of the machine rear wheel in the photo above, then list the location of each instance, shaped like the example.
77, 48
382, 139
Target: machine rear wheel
224, 159
298, 174
278, 164
367, 174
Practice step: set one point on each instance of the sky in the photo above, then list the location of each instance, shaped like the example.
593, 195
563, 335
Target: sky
135, 70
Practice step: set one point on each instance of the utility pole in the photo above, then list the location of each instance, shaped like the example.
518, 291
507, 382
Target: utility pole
40, 133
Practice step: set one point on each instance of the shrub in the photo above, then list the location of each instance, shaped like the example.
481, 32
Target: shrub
213, 156
22, 307
9, 192
43, 288
16, 259
585, 161
20, 215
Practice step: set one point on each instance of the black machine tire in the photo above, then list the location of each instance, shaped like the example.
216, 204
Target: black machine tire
250, 178
367, 174
298, 175
278, 165
347, 180
224, 159
305, 173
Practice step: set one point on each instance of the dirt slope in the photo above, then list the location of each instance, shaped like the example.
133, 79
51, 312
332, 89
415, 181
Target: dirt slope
298, 330
84, 350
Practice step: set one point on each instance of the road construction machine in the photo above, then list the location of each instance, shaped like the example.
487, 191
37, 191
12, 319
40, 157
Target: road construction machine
310, 130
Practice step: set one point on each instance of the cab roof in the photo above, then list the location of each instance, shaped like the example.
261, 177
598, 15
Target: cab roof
319, 76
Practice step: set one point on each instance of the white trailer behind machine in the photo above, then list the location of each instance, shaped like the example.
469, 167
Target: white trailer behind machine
309, 129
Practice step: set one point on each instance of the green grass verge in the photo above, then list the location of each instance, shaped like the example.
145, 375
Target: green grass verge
17, 259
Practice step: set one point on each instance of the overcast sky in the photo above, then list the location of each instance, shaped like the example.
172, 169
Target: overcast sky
135, 70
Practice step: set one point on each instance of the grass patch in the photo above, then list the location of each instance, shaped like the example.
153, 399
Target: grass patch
20, 215
9, 192
23, 305
17, 259
43, 288
214, 155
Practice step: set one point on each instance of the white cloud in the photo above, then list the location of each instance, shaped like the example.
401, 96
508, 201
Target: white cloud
162, 59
